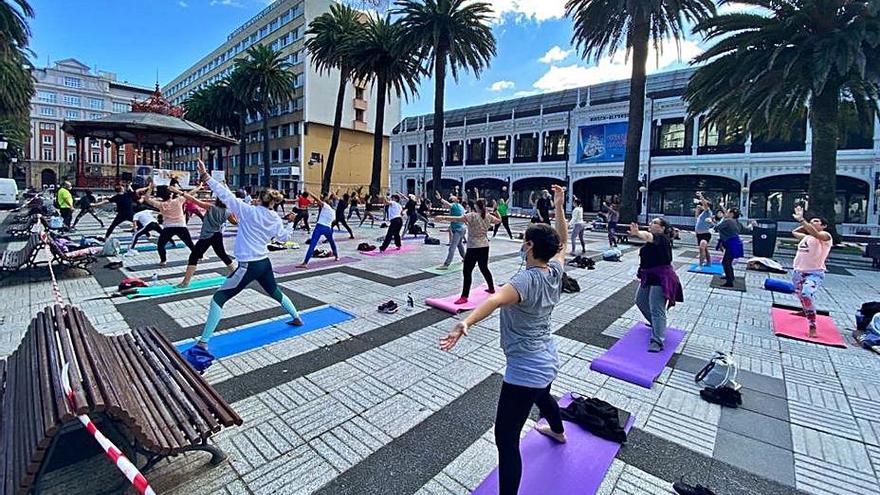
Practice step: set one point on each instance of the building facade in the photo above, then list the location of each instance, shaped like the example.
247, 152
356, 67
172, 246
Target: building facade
577, 138
70, 90
300, 129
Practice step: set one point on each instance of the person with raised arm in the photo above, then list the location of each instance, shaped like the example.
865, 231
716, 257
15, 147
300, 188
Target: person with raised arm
703, 228
478, 224
323, 228
257, 226
808, 274
170, 206
211, 235
526, 304
457, 230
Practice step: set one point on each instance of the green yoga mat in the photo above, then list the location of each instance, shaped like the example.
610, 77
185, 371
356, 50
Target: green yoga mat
453, 268
164, 290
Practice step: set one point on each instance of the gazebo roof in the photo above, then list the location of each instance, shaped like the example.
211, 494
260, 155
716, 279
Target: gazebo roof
147, 129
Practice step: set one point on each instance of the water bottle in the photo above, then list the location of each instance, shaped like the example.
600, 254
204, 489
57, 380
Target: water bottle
155, 278
410, 303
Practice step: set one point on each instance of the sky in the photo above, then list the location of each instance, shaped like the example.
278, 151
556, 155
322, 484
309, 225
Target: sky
140, 39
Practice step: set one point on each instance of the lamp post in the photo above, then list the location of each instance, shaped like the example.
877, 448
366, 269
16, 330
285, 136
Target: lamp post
318, 158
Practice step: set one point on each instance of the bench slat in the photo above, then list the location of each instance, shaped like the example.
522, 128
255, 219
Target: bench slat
49, 410
68, 355
96, 381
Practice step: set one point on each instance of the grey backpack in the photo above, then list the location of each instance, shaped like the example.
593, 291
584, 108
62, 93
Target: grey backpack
719, 372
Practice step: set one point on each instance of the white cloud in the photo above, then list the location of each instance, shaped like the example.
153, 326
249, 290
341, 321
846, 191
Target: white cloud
501, 85
228, 3
183, 4
522, 10
555, 54
571, 76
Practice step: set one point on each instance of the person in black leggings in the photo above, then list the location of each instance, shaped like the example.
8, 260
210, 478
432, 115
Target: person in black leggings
145, 223
477, 254
124, 199
211, 236
170, 206
341, 206
395, 222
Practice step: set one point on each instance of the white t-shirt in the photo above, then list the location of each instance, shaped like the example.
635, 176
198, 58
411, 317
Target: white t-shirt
577, 216
394, 210
144, 217
326, 215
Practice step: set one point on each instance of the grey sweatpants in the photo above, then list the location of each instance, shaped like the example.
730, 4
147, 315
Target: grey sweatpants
456, 242
652, 304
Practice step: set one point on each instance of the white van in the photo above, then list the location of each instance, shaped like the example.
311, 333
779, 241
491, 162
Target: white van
8, 193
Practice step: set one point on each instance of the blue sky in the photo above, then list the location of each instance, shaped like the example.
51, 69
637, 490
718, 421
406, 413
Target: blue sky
135, 38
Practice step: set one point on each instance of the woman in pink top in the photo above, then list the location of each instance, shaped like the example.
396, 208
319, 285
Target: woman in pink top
174, 222
809, 263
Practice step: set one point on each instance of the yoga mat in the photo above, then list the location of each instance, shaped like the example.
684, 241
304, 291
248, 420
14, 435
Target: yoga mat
793, 324
244, 339
315, 263
408, 237
713, 269
739, 283
575, 467
629, 360
453, 268
478, 295
153, 247
388, 252
165, 289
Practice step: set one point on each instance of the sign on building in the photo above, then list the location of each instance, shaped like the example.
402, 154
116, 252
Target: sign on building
602, 143
162, 177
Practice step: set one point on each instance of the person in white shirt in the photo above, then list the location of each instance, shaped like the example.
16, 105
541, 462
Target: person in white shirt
323, 228
395, 222
145, 222
577, 226
257, 225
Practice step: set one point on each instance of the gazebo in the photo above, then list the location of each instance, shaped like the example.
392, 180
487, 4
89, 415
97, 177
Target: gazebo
153, 127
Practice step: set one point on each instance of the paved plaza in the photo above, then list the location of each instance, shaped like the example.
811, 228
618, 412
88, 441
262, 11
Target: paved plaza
372, 406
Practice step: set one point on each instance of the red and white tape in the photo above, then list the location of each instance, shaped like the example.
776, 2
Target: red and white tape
137, 479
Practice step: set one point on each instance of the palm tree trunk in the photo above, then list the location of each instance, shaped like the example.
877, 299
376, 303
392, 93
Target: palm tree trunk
242, 150
439, 88
267, 168
824, 116
334, 139
629, 208
378, 136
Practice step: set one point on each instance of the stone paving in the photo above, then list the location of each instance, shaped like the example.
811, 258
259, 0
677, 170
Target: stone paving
372, 405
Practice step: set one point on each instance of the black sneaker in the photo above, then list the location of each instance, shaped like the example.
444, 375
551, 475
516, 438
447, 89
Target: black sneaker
724, 396
682, 488
390, 308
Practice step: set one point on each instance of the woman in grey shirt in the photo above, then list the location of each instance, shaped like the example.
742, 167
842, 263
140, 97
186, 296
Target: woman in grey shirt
211, 236
532, 362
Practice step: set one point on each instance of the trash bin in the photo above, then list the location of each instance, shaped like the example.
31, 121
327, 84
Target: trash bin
764, 238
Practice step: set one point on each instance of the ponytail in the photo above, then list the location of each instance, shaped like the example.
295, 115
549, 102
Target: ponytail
481, 207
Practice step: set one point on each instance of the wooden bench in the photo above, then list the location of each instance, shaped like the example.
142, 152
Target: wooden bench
136, 385
13, 261
81, 258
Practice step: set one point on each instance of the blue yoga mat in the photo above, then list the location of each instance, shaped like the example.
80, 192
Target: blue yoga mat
152, 247
713, 269
247, 338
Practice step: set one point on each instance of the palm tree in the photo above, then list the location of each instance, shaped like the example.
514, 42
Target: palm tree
450, 33
15, 77
330, 38
603, 27
266, 81
383, 56
766, 72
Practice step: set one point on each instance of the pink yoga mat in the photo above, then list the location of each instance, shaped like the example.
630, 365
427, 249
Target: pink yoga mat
391, 250
315, 263
629, 360
794, 325
477, 296
575, 467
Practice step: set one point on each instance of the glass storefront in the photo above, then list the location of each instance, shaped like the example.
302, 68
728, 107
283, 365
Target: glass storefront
593, 191
523, 189
776, 197
674, 196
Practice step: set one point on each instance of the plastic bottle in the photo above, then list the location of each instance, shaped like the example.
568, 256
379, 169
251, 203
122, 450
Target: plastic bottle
155, 278
410, 303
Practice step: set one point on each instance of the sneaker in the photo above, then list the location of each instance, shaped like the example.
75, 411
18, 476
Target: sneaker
391, 308
461, 300
385, 305
655, 347
682, 488
296, 322
443, 267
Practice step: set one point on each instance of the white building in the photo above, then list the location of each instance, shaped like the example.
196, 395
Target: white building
524, 144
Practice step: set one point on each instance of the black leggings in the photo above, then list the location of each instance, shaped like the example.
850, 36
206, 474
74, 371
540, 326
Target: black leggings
91, 212
215, 241
152, 226
727, 263
514, 406
118, 219
341, 221
392, 233
302, 215
505, 221
169, 232
473, 257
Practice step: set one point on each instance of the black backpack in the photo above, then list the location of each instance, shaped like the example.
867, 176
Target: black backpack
569, 285
366, 247
432, 241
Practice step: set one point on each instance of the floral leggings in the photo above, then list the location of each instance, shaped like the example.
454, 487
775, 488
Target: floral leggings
806, 284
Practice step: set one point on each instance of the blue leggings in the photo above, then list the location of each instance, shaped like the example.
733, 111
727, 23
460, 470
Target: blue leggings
327, 233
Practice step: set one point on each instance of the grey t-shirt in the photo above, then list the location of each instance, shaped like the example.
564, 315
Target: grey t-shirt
213, 222
532, 360
727, 229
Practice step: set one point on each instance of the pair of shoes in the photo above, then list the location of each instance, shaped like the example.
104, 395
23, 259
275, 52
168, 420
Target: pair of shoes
655, 347
389, 307
724, 396
682, 488
461, 300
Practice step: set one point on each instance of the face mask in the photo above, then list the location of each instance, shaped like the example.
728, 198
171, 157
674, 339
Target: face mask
522, 254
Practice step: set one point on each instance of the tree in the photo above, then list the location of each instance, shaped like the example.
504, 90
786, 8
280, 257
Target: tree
267, 81
15, 76
602, 28
331, 36
449, 33
383, 56
788, 60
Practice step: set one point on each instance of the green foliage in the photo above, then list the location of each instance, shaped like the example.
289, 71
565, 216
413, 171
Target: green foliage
16, 82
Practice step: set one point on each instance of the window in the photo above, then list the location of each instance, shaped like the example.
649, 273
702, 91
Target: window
96, 157
297, 80
411, 156
499, 149
47, 97
72, 100
454, 153
284, 130
71, 156
273, 132
359, 93
71, 141
526, 148
45, 126
47, 111
96, 103
359, 115
72, 114
95, 143
285, 155
294, 129
73, 82
48, 154
476, 151
720, 138
94, 115
671, 135
254, 159
273, 156
48, 139
555, 145
121, 107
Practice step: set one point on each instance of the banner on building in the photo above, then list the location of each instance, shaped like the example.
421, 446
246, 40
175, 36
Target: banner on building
162, 177
278, 171
602, 143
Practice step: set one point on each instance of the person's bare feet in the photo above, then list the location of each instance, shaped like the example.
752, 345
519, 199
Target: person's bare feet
545, 429
302, 265
296, 322
182, 285
812, 333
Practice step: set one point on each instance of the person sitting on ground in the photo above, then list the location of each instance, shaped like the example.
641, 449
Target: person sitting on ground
808, 274
526, 305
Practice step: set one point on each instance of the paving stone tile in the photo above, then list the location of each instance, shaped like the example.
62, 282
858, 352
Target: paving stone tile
762, 383
820, 477
755, 426
683, 430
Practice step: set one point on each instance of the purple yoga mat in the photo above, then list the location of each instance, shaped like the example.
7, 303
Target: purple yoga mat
629, 359
477, 296
315, 263
575, 467
391, 250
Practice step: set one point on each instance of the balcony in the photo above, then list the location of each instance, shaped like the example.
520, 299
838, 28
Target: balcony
360, 104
